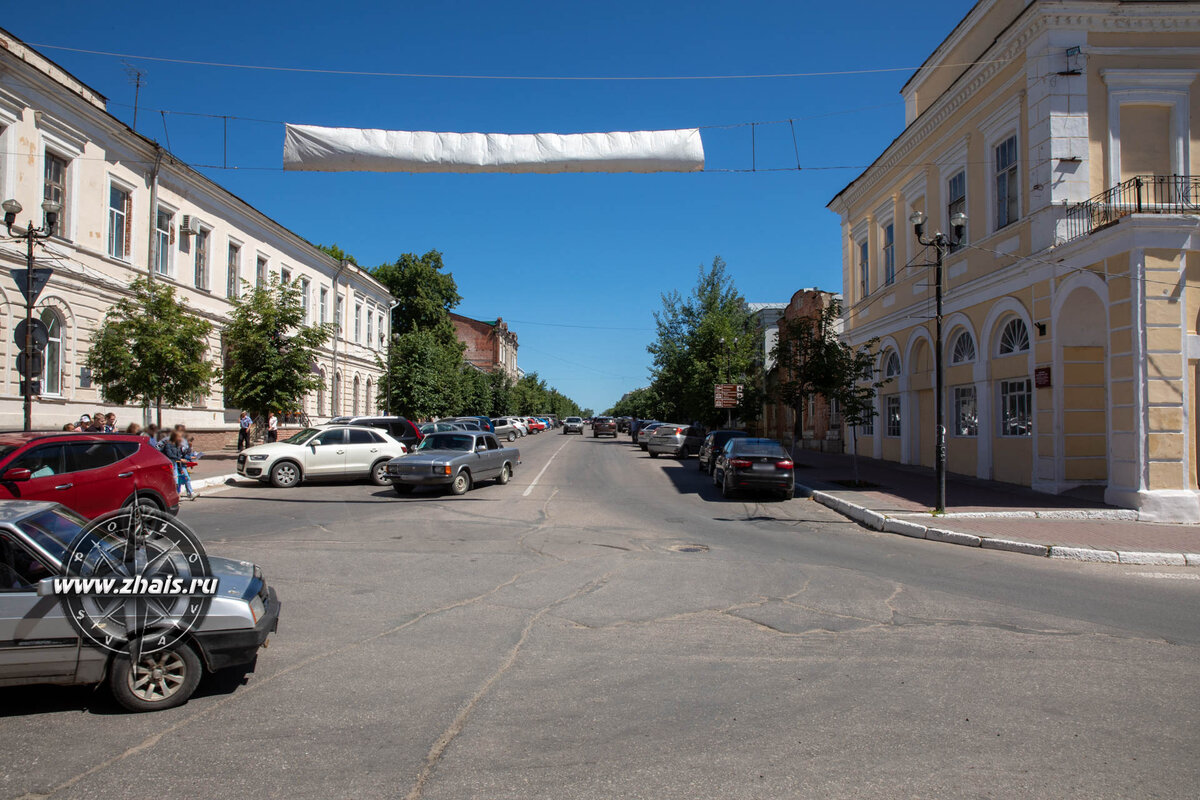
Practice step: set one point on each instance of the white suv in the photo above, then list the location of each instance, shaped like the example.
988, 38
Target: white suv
332, 451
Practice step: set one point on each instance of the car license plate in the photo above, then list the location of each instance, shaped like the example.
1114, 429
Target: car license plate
764, 467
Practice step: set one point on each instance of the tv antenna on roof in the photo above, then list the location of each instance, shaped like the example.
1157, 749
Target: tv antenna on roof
137, 77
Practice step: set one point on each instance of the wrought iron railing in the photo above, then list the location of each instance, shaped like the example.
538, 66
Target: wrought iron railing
1141, 194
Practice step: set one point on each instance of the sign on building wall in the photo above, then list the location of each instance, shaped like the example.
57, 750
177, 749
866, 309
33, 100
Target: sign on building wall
1041, 377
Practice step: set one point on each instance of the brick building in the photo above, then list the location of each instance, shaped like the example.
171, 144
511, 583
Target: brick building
819, 426
490, 344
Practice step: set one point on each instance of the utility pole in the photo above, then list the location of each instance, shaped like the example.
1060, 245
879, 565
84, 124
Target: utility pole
941, 243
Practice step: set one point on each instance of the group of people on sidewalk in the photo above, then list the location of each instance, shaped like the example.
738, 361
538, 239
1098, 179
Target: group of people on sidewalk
176, 444
245, 423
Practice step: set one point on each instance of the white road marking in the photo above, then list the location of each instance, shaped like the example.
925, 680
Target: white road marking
1170, 576
529, 488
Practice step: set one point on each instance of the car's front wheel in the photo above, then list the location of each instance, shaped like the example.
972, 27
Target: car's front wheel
653, 454
462, 483
285, 475
159, 680
379, 475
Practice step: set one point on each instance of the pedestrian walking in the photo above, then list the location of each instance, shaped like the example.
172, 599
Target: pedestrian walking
176, 454
110, 422
244, 423
272, 428
134, 428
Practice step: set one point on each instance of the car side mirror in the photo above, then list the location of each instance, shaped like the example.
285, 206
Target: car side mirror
45, 587
17, 474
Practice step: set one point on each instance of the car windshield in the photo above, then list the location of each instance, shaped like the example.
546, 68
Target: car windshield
303, 436
574, 419
448, 441
53, 530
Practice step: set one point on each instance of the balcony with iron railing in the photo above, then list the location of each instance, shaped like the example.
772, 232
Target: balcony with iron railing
1141, 194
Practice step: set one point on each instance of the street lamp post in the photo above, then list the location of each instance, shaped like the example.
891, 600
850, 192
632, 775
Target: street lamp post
31, 235
941, 243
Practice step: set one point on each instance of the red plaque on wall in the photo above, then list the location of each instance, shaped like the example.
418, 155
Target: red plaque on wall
1041, 377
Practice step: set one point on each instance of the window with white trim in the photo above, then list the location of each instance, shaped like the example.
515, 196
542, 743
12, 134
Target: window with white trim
1014, 338
52, 360
324, 307
1007, 182
956, 202
1016, 408
867, 428
864, 269
120, 220
285, 275
383, 334
358, 309
260, 272
54, 188
202, 237
233, 270
966, 415
889, 254
892, 416
304, 303
164, 231
963, 351
370, 329
891, 365
337, 312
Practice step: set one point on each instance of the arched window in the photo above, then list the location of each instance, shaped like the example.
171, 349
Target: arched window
368, 399
354, 398
321, 396
1014, 338
891, 365
963, 350
52, 368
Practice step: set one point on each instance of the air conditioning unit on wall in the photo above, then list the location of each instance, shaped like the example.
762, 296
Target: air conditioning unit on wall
189, 226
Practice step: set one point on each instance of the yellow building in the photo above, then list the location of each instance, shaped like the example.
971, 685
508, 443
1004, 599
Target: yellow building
1066, 132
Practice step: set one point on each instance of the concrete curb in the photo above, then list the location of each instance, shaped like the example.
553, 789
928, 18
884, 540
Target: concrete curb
214, 481
905, 526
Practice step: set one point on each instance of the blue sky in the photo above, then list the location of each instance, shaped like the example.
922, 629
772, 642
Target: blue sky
576, 263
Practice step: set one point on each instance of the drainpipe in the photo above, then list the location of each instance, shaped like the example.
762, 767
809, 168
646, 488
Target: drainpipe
335, 399
387, 372
153, 248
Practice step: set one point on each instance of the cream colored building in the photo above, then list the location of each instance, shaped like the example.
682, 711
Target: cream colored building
57, 139
1071, 313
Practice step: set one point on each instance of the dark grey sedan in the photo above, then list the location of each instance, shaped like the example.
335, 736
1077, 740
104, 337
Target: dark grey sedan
706, 459
457, 460
755, 464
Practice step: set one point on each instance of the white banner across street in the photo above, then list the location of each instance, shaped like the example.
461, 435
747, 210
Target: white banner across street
319, 149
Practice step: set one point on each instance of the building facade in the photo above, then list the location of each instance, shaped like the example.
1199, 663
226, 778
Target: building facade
491, 346
816, 424
1071, 347
131, 210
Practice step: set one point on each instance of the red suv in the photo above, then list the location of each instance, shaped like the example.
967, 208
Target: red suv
90, 473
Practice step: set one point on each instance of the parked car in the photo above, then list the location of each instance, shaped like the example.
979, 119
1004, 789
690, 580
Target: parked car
535, 424
757, 464
504, 429
89, 473
520, 424
38, 644
706, 458
573, 425
333, 451
454, 460
604, 426
436, 427
675, 440
637, 426
645, 432
399, 428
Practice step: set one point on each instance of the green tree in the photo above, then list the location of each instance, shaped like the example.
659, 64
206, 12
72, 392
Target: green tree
271, 353
641, 403
337, 253
426, 292
706, 338
475, 390
151, 349
423, 375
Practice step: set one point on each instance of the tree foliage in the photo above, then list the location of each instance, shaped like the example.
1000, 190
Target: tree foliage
271, 353
705, 338
426, 293
151, 349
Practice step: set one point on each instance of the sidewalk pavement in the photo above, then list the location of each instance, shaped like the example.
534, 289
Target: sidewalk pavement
213, 469
992, 515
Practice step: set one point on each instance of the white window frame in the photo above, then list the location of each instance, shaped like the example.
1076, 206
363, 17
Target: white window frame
50, 345
889, 402
324, 305
889, 251
262, 270
64, 215
127, 217
887, 362
954, 360
303, 284
1014, 187
339, 309
958, 396
1000, 338
953, 161
233, 272
370, 328
863, 260
165, 241
202, 275
358, 309
1011, 390
285, 275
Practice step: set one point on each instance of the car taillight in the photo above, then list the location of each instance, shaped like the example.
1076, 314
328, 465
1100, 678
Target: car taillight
741, 463
784, 464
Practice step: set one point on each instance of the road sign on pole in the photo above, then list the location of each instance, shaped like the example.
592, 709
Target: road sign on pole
31, 289
727, 395
41, 334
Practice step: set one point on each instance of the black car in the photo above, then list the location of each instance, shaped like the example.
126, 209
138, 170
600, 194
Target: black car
756, 464
710, 448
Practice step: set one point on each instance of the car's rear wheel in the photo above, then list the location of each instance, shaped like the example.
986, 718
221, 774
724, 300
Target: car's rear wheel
159, 680
285, 475
461, 483
512, 436
726, 487
146, 501
652, 454
505, 475
379, 475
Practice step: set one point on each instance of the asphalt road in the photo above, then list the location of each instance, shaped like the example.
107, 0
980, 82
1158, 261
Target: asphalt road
606, 626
